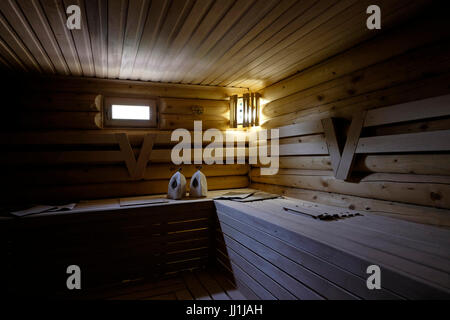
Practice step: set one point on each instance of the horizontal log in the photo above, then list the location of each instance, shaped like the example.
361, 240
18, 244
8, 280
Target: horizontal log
304, 148
16, 158
408, 212
129, 88
63, 157
302, 162
422, 109
398, 41
94, 137
301, 172
103, 174
398, 70
194, 106
430, 86
409, 127
432, 164
187, 118
427, 194
408, 142
51, 194
180, 122
302, 139
408, 178
301, 129
55, 120
306, 162
428, 164
62, 101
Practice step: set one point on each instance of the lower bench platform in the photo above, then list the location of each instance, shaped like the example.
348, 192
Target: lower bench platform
291, 254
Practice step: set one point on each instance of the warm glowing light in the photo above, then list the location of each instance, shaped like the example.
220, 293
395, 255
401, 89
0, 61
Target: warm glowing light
240, 111
263, 101
126, 112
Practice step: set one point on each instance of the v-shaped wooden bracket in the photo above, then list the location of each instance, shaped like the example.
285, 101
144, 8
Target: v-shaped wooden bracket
332, 143
136, 168
343, 163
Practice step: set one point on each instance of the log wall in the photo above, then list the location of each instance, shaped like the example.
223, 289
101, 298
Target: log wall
55, 148
408, 63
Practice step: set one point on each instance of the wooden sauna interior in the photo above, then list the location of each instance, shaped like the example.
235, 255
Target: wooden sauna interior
364, 149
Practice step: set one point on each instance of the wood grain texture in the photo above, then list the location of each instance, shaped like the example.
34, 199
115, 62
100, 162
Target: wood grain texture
245, 43
351, 143
332, 143
346, 248
427, 194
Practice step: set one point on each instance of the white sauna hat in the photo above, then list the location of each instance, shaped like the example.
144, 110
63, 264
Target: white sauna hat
199, 186
177, 186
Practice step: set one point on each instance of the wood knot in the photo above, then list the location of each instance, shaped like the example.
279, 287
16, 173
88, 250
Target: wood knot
435, 196
356, 79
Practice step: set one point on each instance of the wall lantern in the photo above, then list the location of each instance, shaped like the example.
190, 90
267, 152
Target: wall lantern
244, 110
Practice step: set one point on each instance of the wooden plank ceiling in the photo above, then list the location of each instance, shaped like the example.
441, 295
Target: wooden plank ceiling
235, 43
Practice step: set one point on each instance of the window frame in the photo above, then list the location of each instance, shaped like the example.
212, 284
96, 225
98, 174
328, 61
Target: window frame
109, 122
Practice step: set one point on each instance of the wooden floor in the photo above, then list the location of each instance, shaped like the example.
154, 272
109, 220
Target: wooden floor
196, 285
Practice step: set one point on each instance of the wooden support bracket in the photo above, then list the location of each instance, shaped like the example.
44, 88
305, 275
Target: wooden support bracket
348, 155
332, 143
136, 169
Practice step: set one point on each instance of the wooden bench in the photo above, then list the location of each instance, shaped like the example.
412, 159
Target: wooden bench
266, 251
283, 254
108, 242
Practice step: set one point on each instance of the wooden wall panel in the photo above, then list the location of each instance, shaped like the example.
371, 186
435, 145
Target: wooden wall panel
401, 69
410, 189
129, 88
415, 33
55, 143
64, 193
363, 78
409, 212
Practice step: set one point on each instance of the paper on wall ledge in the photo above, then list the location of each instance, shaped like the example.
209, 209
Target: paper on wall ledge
140, 201
42, 209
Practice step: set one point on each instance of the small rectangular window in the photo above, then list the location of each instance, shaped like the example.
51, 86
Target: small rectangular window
130, 112
125, 112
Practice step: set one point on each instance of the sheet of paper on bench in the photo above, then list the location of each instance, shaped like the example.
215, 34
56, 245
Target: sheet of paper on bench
258, 196
234, 195
140, 201
42, 209
247, 196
